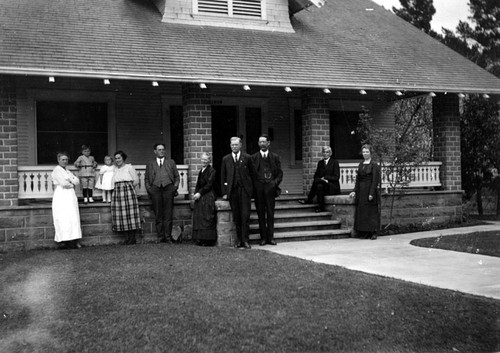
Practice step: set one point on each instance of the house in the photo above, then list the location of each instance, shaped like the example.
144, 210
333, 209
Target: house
125, 74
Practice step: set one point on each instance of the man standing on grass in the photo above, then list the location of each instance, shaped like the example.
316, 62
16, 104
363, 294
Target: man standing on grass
161, 181
236, 184
268, 176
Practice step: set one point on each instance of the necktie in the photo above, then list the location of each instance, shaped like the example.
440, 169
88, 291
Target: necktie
235, 157
161, 162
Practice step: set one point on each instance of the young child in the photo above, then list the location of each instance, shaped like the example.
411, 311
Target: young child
86, 165
105, 182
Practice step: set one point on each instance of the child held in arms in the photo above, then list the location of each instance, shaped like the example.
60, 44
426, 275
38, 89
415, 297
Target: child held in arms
86, 165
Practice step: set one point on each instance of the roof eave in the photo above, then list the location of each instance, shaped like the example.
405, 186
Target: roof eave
242, 81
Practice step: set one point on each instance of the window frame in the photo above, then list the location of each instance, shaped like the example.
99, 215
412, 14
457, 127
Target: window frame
230, 11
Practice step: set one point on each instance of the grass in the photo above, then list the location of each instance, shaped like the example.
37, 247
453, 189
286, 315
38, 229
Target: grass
483, 243
183, 298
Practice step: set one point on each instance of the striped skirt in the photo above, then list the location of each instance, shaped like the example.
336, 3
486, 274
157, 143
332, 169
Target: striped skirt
125, 212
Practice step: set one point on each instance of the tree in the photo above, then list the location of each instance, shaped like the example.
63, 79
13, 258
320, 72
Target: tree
417, 12
480, 141
480, 126
401, 149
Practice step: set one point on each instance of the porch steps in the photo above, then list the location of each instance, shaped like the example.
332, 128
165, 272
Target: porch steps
296, 222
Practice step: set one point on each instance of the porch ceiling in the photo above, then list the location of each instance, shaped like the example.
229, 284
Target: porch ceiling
341, 45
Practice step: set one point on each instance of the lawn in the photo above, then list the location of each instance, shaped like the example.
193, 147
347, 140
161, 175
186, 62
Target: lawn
183, 298
483, 243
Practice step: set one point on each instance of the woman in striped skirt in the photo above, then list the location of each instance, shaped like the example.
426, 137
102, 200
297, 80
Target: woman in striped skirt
125, 213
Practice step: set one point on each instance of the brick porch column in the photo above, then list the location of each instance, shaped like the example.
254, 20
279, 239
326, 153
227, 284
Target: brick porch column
8, 142
315, 132
197, 112
446, 140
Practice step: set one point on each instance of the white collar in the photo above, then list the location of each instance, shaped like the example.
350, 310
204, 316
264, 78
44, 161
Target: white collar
264, 154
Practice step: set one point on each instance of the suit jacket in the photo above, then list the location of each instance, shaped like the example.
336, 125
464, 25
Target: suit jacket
277, 173
206, 180
227, 173
152, 168
330, 172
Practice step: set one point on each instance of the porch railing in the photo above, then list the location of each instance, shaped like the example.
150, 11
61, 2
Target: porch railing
36, 182
425, 175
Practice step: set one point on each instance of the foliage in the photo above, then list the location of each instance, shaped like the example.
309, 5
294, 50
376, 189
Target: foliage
417, 12
480, 144
400, 149
480, 43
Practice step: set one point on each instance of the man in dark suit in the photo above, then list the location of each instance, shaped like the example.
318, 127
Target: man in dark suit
268, 177
236, 186
161, 181
326, 180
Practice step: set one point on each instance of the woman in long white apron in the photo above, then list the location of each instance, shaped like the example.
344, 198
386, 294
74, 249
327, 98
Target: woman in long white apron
65, 205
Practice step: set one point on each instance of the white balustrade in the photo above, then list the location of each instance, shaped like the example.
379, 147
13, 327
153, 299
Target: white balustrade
425, 175
36, 182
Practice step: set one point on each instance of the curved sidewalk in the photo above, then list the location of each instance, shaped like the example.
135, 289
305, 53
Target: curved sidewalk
393, 256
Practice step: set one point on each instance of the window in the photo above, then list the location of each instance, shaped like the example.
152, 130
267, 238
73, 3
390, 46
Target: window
344, 139
231, 8
176, 134
65, 126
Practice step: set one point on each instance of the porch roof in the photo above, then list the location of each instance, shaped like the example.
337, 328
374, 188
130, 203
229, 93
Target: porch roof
341, 45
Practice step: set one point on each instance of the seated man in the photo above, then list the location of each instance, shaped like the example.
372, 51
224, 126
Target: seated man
326, 180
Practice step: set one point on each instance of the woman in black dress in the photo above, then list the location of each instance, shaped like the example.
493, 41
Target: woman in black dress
367, 197
204, 221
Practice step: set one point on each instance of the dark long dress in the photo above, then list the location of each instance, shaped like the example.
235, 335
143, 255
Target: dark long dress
367, 216
204, 221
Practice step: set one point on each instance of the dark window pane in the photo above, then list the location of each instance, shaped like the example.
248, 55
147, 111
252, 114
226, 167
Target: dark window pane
66, 126
177, 134
343, 137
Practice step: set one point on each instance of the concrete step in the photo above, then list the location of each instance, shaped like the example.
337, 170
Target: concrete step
306, 235
299, 226
298, 216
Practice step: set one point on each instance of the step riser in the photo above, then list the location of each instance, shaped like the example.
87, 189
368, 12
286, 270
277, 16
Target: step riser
256, 239
312, 227
295, 219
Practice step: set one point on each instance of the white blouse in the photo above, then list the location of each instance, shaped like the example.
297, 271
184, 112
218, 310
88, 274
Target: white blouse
125, 173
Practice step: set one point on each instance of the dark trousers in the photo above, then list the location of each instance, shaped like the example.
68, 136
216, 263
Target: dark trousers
264, 203
162, 201
240, 203
319, 189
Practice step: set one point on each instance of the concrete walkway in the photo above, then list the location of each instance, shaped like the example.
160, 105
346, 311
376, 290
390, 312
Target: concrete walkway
393, 256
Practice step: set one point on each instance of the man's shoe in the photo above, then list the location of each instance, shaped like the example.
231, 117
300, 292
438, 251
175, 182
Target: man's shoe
272, 242
246, 245
262, 243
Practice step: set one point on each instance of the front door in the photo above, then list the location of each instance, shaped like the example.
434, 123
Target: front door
224, 126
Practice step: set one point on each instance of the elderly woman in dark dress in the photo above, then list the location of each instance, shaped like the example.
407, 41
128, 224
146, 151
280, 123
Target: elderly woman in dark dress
367, 197
204, 222
125, 213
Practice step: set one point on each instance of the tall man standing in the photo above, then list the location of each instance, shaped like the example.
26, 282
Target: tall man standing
236, 185
161, 181
326, 179
268, 177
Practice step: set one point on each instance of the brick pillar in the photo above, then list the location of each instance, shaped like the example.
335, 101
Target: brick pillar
8, 142
197, 112
446, 139
315, 132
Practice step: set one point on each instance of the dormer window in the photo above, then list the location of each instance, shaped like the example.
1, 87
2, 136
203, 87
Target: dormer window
231, 8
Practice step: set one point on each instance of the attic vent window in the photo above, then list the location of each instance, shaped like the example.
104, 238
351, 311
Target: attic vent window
231, 8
